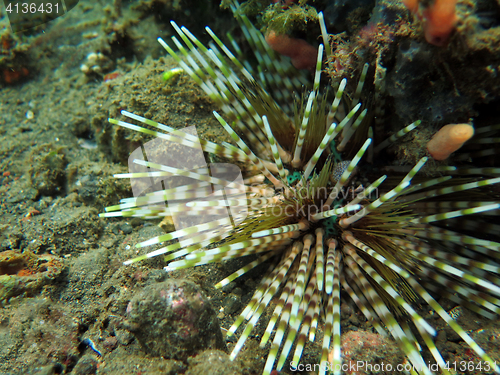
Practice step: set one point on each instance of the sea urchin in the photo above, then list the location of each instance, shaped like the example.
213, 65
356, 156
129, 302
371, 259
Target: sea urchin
301, 208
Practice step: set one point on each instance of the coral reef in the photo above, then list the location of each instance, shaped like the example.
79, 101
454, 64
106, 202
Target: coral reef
47, 100
385, 34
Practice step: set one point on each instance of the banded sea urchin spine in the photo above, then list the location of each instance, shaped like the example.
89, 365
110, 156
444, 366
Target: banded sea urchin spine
382, 245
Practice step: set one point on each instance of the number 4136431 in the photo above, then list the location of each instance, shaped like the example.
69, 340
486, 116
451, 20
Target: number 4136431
32, 8
470, 366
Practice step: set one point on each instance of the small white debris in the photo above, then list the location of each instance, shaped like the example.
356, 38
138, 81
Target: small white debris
85, 69
84, 143
97, 63
92, 57
90, 35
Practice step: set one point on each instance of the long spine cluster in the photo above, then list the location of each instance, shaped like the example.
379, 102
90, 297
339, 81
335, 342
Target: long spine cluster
312, 267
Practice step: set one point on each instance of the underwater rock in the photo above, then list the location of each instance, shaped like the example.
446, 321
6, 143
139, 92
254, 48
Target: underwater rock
369, 351
26, 272
419, 76
212, 362
47, 172
173, 319
337, 13
42, 335
87, 365
14, 59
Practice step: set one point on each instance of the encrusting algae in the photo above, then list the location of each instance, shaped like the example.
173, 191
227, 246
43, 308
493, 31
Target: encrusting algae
329, 225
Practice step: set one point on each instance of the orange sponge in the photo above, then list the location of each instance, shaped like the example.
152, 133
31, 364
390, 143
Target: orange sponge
412, 5
439, 18
439, 21
302, 54
449, 139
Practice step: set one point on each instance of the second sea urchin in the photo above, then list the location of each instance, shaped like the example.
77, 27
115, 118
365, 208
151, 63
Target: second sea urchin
388, 246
